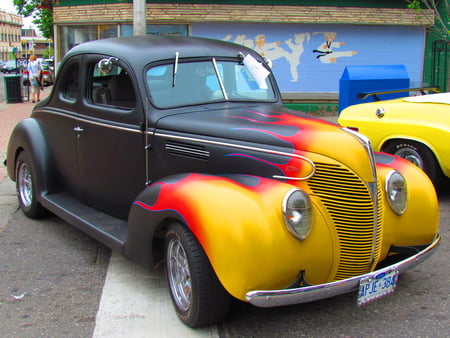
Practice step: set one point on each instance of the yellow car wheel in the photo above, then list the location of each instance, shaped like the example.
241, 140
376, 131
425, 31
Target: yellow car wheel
417, 154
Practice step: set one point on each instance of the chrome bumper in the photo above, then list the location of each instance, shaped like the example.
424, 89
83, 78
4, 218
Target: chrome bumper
273, 298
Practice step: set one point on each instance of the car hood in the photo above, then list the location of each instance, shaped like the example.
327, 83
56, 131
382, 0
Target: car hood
443, 98
272, 127
432, 109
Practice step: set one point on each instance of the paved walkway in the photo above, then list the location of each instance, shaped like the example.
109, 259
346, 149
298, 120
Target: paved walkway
10, 115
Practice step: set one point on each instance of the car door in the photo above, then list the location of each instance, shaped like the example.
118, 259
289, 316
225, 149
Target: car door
110, 139
58, 120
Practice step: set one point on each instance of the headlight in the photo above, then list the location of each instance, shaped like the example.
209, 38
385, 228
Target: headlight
297, 213
396, 191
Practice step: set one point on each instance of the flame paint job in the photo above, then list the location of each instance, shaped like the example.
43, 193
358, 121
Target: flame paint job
239, 223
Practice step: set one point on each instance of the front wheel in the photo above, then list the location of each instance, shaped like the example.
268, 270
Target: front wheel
197, 294
26, 188
418, 154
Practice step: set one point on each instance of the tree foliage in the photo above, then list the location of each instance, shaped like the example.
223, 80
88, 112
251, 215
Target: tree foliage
441, 11
41, 12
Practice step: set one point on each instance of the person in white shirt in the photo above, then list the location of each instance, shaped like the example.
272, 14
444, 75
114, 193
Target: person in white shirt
34, 73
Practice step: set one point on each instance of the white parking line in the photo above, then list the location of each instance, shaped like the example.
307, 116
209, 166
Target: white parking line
136, 303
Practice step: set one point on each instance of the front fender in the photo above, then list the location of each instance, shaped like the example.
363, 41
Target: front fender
27, 136
238, 221
419, 224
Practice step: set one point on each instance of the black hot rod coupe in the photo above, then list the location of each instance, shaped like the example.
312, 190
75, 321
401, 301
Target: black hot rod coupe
179, 150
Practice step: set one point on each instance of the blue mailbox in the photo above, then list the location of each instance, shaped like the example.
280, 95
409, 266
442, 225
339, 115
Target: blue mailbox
360, 79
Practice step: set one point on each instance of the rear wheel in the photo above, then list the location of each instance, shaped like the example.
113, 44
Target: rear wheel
418, 154
26, 188
197, 294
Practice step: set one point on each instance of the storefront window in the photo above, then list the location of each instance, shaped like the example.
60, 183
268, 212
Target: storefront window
107, 31
71, 36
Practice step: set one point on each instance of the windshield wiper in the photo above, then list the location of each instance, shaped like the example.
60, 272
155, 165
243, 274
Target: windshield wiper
175, 69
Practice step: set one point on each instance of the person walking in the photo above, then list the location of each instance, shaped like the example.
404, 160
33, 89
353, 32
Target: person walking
34, 73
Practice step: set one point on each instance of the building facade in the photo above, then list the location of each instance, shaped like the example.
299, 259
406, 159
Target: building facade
310, 46
10, 35
31, 43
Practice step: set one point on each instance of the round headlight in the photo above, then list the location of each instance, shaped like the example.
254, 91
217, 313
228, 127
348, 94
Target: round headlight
396, 191
297, 213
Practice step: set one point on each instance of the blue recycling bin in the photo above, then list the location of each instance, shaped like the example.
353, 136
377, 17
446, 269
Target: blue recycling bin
360, 79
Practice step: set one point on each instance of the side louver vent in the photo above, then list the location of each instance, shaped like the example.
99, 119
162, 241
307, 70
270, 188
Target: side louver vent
187, 150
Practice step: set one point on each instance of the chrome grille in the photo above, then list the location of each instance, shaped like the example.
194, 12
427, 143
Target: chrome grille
353, 210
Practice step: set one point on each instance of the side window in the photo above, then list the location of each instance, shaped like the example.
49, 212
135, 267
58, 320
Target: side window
69, 82
113, 88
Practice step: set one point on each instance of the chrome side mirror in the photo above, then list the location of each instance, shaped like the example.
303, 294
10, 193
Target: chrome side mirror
106, 65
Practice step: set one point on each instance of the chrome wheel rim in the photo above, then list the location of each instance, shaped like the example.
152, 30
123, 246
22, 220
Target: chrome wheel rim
25, 184
410, 155
179, 275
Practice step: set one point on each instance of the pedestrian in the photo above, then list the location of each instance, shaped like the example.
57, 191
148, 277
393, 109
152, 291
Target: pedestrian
34, 73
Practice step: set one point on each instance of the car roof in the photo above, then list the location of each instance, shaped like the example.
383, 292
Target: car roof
147, 48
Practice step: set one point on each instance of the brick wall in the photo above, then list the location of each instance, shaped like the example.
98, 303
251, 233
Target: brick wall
187, 13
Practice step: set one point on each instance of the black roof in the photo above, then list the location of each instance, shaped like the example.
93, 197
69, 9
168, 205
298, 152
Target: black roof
140, 50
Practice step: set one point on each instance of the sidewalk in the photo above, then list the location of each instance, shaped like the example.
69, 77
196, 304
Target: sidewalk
10, 115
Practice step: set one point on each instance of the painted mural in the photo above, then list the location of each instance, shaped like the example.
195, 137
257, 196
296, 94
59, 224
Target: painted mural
312, 58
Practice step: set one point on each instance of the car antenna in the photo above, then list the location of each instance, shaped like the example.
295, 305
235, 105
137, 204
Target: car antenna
175, 68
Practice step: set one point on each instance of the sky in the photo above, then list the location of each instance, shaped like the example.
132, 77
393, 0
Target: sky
8, 6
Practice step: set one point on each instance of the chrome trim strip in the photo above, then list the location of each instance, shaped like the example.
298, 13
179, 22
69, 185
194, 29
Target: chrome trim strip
364, 140
274, 152
80, 119
373, 188
272, 298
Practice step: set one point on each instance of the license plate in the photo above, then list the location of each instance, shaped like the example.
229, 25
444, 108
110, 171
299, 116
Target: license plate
376, 286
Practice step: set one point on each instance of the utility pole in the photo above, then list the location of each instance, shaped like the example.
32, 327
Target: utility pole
139, 17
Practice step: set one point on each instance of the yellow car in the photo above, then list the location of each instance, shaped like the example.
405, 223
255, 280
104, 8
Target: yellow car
416, 128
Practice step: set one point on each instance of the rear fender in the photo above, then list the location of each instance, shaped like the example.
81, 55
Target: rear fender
27, 136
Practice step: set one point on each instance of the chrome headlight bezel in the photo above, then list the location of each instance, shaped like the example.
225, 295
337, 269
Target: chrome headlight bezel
297, 212
396, 191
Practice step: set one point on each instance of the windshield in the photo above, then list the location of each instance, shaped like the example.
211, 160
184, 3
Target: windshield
197, 82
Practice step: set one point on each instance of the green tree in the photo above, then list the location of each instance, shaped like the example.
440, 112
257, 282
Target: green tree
441, 11
41, 11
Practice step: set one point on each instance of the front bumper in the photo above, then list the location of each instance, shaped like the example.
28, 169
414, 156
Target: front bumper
273, 298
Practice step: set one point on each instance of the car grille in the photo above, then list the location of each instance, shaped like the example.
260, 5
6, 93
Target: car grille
353, 210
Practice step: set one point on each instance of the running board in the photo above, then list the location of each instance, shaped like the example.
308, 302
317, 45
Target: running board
109, 230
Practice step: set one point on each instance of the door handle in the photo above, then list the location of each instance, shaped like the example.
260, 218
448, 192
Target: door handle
78, 129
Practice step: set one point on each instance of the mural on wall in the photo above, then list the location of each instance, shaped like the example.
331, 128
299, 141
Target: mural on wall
312, 58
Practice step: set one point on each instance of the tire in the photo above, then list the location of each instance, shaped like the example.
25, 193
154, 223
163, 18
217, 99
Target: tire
26, 188
197, 294
417, 154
